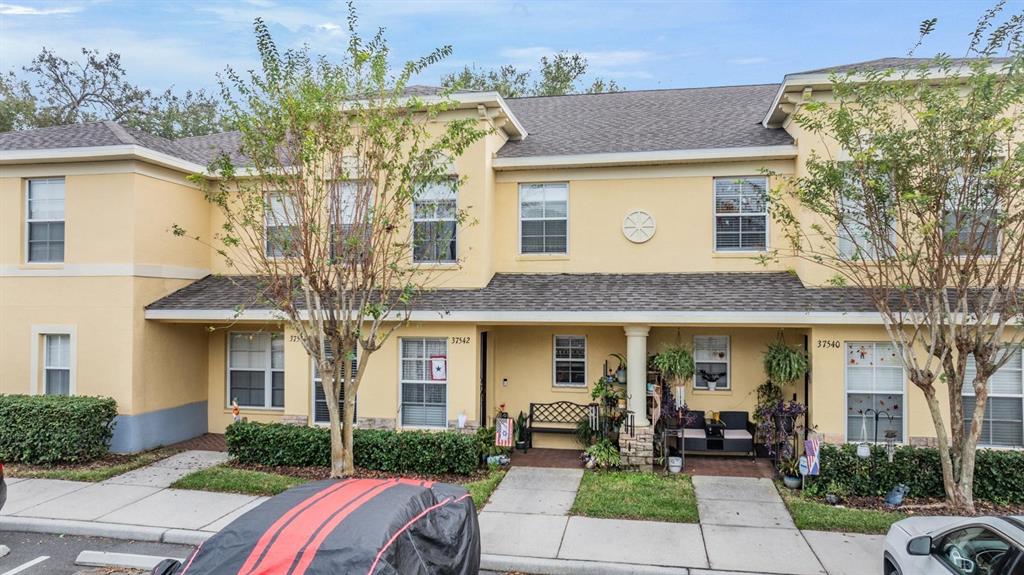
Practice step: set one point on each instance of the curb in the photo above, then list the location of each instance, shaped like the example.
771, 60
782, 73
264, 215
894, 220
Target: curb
541, 566
109, 530
121, 560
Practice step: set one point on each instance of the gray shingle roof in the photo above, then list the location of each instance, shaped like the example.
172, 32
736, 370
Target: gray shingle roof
676, 292
685, 119
886, 64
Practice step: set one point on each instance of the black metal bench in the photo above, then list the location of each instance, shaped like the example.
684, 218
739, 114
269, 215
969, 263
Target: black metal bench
555, 417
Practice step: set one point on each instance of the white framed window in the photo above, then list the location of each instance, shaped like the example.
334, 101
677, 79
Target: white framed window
320, 413
570, 361
711, 362
57, 364
972, 225
256, 369
424, 381
434, 224
1003, 421
44, 212
346, 215
544, 218
279, 236
741, 214
874, 381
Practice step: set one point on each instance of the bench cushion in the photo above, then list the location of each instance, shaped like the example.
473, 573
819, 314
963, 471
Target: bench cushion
736, 434
694, 433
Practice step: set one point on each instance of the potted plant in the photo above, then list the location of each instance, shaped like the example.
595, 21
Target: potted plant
711, 379
790, 470
675, 363
783, 363
605, 392
522, 435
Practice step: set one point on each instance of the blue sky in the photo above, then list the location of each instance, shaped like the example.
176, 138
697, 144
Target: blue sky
641, 45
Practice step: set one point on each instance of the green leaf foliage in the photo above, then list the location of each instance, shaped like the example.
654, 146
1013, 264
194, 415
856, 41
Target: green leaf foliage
426, 452
783, 363
675, 362
55, 429
997, 475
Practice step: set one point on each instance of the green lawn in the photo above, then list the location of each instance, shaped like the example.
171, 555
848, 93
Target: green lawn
481, 489
233, 480
632, 495
810, 514
95, 471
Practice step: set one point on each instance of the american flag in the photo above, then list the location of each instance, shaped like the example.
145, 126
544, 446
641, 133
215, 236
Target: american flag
811, 448
503, 432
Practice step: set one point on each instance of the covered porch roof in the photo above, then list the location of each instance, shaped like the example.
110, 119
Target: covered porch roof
751, 298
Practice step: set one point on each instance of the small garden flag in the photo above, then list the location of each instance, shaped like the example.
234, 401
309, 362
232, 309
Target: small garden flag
503, 432
811, 448
438, 368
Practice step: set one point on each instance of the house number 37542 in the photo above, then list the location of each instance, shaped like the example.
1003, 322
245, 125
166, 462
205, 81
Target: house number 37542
458, 340
828, 344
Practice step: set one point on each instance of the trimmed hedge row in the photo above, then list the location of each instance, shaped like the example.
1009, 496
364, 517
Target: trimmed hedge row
427, 452
55, 429
997, 473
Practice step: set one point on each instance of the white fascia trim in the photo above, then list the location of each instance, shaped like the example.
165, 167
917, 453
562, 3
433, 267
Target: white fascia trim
106, 270
86, 153
653, 157
470, 99
537, 317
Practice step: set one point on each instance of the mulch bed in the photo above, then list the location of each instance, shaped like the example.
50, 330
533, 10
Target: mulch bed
108, 460
928, 506
314, 473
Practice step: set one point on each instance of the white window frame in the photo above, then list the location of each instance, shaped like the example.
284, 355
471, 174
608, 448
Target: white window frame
519, 217
38, 356
29, 220
739, 214
315, 384
968, 391
447, 387
555, 360
454, 219
268, 371
727, 362
846, 393
267, 212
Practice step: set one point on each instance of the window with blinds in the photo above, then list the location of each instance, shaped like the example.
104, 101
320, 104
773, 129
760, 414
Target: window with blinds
57, 364
424, 388
44, 205
874, 381
741, 214
256, 369
544, 218
434, 223
711, 362
320, 413
1003, 422
279, 236
570, 361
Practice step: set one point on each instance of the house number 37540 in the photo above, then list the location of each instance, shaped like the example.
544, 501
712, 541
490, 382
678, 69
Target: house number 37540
828, 344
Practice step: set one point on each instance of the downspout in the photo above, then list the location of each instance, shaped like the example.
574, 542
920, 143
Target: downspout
807, 388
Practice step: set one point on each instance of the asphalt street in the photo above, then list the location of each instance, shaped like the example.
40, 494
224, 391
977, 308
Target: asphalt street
60, 552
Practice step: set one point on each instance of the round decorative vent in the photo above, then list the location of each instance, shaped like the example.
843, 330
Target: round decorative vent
638, 227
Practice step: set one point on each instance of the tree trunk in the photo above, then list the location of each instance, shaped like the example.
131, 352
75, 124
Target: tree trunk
330, 386
347, 457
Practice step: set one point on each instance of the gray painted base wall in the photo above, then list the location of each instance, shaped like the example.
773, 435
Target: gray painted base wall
134, 433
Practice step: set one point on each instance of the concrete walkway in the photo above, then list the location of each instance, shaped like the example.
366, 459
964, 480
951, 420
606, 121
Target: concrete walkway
744, 528
136, 505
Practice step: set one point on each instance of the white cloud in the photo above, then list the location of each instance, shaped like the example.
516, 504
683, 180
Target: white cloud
748, 61
330, 28
16, 10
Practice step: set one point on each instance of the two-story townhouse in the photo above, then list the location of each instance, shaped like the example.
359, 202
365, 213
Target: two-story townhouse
607, 223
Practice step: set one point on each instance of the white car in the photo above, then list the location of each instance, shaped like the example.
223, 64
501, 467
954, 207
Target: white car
955, 546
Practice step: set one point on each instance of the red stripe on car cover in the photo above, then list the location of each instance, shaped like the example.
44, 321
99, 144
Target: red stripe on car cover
192, 558
271, 534
313, 543
408, 525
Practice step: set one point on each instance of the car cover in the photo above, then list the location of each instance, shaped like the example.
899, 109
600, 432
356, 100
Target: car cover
372, 526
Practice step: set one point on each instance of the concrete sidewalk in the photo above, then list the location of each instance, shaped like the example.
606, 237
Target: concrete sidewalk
135, 505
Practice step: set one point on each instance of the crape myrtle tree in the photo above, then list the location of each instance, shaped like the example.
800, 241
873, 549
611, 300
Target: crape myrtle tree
918, 205
337, 156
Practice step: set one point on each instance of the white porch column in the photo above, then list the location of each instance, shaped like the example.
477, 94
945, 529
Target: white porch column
636, 372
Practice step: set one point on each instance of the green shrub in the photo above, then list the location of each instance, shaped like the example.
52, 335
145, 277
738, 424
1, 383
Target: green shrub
43, 429
997, 473
426, 452
485, 436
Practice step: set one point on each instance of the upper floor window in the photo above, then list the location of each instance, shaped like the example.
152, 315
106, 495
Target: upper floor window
256, 369
975, 228
544, 218
741, 214
279, 236
351, 210
854, 236
434, 223
45, 219
711, 362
